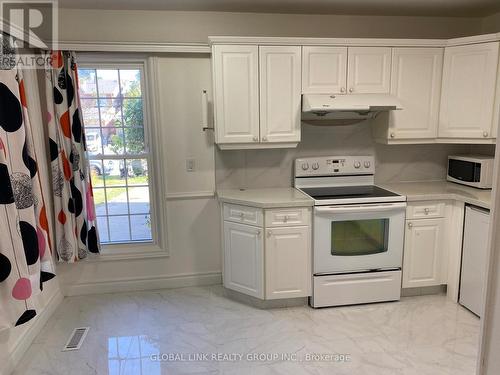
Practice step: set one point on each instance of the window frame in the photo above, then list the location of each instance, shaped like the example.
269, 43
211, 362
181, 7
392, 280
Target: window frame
158, 246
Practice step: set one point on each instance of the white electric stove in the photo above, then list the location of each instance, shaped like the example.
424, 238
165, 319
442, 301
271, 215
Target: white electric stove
358, 231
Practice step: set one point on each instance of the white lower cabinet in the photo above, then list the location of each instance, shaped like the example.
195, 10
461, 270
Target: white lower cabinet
243, 259
274, 266
423, 252
288, 262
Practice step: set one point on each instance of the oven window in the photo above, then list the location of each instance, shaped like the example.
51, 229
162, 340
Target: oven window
359, 237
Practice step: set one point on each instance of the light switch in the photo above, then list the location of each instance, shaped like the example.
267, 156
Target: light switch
190, 165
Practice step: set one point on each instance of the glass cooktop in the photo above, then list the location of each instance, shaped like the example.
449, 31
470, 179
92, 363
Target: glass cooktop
343, 192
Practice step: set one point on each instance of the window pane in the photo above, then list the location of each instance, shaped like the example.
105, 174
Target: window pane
96, 171
102, 227
130, 81
139, 171
134, 140
90, 112
114, 141
99, 201
115, 176
119, 228
93, 141
138, 198
117, 201
141, 227
87, 83
132, 112
111, 116
107, 82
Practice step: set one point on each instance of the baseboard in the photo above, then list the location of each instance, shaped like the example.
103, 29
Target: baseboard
423, 291
29, 335
143, 283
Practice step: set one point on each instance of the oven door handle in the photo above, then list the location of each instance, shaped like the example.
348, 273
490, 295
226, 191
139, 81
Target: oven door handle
362, 208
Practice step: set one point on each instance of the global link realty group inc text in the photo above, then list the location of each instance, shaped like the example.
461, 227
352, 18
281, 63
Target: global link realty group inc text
250, 357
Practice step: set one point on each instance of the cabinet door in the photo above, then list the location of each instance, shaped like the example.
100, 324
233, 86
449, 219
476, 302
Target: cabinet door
280, 93
288, 262
369, 70
423, 252
243, 259
416, 81
469, 78
236, 93
324, 70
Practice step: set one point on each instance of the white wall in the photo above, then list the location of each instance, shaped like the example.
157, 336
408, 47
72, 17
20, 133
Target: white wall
174, 26
192, 222
274, 168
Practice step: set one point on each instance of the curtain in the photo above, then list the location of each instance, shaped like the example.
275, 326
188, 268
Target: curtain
25, 252
75, 227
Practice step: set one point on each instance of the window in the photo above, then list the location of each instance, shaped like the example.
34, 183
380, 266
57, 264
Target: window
113, 107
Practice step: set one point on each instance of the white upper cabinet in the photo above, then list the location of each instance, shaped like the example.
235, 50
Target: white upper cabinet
280, 89
340, 70
416, 82
468, 92
324, 70
236, 88
369, 70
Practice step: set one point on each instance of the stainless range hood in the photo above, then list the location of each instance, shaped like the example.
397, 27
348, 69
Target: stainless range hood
320, 107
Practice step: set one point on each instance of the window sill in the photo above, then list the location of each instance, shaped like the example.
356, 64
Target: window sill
129, 252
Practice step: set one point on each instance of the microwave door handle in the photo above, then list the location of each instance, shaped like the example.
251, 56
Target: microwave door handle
355, 209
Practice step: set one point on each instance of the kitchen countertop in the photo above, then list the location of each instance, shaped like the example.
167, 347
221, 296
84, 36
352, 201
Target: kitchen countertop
440, 190
265, 198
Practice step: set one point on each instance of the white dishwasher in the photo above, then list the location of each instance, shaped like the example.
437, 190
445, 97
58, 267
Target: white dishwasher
474, 258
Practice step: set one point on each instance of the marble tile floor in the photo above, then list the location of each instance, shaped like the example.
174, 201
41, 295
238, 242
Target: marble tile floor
200, 331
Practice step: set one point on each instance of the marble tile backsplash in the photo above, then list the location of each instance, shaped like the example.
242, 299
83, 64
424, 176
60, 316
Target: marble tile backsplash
393, 163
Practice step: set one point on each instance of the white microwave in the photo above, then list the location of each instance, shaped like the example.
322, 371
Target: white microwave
471, 170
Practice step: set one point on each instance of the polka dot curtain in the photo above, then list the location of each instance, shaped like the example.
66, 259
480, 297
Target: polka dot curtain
75, 220
25, 252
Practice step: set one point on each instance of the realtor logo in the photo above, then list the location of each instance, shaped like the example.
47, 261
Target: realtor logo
30, 25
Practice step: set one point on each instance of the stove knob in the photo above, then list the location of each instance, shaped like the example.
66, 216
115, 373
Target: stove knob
367, 164
305, 166
357, 165
315, 166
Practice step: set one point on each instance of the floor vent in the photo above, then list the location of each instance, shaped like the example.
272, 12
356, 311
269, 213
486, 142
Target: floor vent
76, 339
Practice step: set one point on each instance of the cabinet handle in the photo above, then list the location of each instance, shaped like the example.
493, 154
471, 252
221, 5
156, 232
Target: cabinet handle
426, 211
485, 134
264, 139
342, 89
285, 219
410, 225
393, 135
242, 215
269, 233
258, 232
351, 89
255, 139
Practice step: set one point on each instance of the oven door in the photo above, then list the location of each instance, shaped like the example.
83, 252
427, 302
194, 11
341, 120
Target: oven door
358, 238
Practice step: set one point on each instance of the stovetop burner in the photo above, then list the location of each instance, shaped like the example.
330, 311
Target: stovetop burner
343, 192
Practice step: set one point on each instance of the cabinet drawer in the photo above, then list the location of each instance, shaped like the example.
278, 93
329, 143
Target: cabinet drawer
243, 214
288, 217
425, 210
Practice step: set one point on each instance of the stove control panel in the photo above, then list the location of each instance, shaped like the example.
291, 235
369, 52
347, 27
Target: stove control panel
334, 166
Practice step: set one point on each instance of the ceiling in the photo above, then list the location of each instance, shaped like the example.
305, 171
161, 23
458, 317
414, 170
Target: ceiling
461, 8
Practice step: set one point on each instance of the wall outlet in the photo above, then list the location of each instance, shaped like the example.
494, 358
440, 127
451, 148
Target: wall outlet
190, 165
